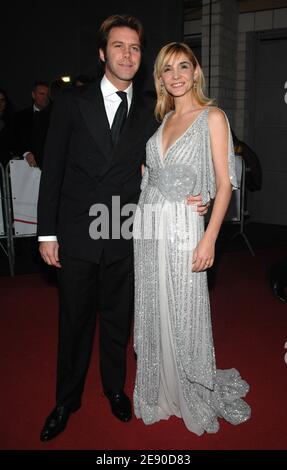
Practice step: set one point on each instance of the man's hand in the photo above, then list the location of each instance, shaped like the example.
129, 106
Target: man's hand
197, 201
49, 252
31, 160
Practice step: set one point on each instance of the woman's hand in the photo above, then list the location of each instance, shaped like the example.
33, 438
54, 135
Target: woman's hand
203, 255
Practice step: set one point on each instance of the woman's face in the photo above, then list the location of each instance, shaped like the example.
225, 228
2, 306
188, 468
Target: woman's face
2, 102
178, 75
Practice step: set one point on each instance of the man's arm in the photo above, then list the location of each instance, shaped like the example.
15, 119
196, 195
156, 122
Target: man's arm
203, 254
51, 180
54, 166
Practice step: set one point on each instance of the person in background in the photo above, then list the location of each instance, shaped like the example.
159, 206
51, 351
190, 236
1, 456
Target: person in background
253, 180
31, 126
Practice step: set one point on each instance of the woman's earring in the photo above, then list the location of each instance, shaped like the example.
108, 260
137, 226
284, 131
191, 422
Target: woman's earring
161, 88
194, 84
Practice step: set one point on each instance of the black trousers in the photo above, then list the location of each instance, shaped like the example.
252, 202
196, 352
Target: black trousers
83, 286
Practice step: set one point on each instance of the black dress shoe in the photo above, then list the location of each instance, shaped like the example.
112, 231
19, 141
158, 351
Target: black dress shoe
279, 291
57, 422
120, 405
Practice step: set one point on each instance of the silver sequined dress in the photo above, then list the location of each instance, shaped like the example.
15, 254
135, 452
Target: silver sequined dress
176, 371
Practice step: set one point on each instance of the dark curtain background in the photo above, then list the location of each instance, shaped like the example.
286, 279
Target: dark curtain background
45, 40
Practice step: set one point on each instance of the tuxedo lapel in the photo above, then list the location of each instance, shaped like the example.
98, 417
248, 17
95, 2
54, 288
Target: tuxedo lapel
92, 108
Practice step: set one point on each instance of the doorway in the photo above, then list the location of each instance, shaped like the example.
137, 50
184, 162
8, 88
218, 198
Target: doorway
270, 127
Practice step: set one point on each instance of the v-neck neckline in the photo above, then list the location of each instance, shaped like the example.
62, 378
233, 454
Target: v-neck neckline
163, 157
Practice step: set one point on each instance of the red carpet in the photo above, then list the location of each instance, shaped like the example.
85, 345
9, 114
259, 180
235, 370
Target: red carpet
249, 332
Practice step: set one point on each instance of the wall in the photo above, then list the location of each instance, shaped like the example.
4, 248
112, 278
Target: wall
246, 88
232, 57
248, 25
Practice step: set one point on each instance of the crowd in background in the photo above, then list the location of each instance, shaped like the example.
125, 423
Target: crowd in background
23, 133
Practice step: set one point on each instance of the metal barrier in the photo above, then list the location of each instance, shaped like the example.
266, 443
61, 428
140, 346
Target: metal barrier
24, 189
5, 225
21, 184
2, 199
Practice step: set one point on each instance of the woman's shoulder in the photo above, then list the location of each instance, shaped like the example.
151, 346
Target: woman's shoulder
216, 113
217, 116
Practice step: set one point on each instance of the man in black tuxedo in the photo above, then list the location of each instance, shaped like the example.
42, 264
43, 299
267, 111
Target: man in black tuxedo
31, 126
94, 151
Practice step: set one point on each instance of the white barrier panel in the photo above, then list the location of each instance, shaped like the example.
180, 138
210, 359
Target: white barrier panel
2, 232
24, 189
233, 211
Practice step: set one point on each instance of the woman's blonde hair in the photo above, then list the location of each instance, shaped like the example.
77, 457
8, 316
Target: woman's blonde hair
165, 102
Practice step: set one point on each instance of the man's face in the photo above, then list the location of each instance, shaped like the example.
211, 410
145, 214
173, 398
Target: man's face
122, 57
41, 96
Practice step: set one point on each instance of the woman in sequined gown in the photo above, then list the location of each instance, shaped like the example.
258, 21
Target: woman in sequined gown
191, 153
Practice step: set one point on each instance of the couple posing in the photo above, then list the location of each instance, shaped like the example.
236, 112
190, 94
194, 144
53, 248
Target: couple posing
95, 149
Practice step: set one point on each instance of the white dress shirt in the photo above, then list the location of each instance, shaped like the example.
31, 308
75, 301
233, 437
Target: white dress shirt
112, 102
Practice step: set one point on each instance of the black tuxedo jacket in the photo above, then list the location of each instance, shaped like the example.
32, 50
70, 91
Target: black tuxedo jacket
81, 168
30, 132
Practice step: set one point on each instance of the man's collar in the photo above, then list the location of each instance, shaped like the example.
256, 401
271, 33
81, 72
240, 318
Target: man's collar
109, 89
